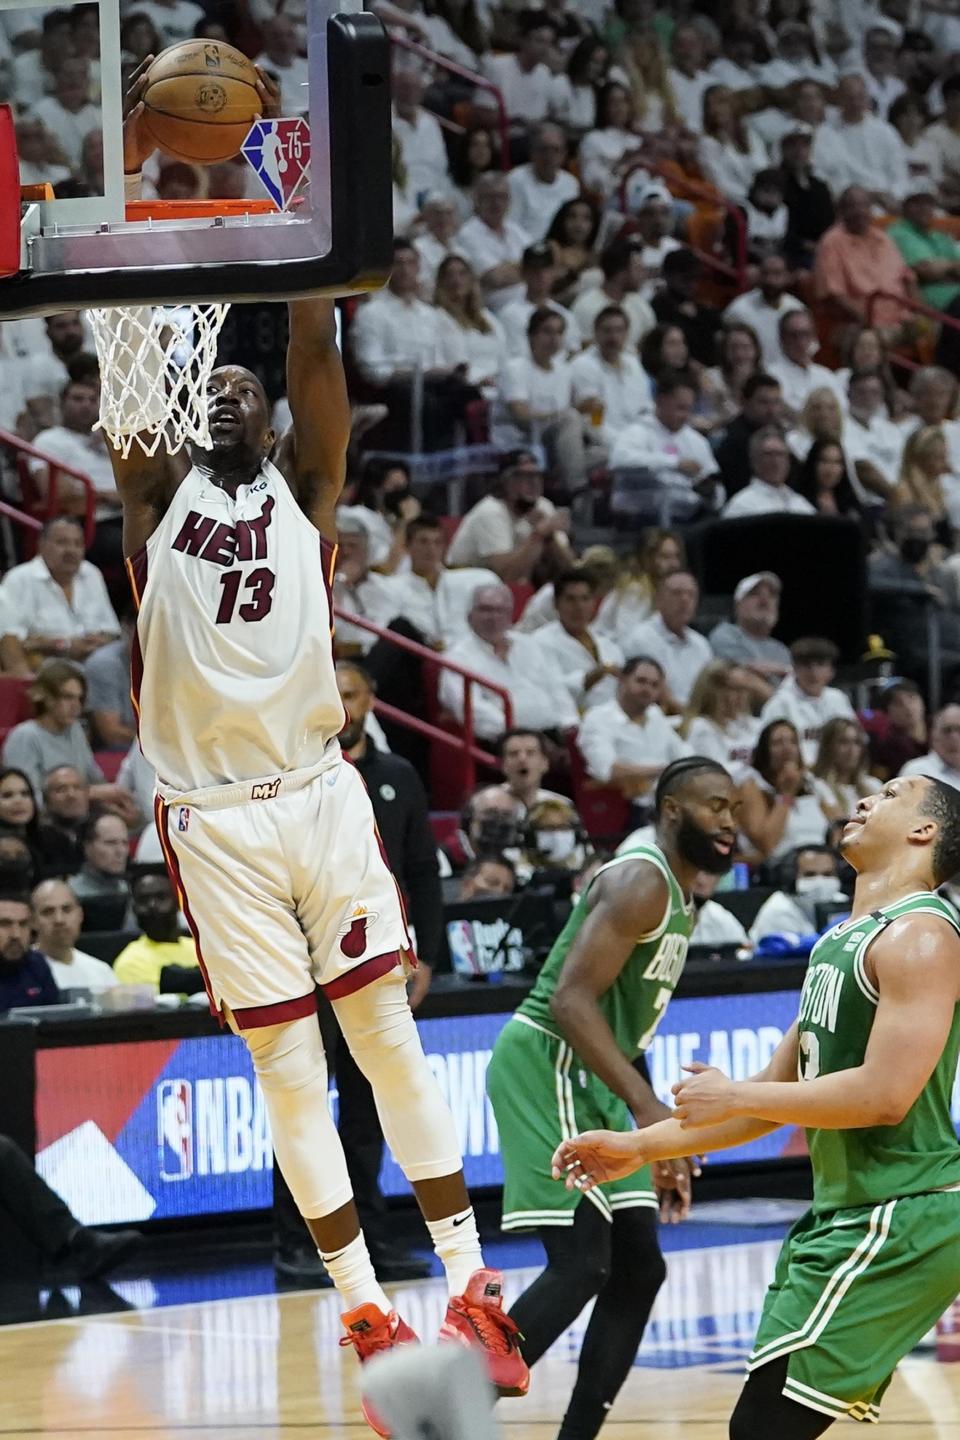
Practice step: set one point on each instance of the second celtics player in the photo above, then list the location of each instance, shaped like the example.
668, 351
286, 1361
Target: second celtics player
876, 1261
565, 1061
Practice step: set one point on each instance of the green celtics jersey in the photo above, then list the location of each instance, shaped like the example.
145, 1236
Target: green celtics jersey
837, 1006
635, 1002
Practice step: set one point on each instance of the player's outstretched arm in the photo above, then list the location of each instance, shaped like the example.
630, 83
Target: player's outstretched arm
915, 964
598, 1156
317, 392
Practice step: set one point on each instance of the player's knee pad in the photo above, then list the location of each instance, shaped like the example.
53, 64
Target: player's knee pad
291, 1066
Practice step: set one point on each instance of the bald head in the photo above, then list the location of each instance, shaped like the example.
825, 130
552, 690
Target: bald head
491, 613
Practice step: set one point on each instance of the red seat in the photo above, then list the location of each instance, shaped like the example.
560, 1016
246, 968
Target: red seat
15, 703
110, 762
445, 824
604, 811
521, 590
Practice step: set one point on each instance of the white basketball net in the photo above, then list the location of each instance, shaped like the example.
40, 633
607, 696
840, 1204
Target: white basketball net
154, 368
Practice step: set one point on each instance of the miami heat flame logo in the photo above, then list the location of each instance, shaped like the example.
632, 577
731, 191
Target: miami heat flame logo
353, 935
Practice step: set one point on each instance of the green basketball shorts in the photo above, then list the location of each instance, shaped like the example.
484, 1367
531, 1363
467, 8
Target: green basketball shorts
540, 1096
854, 1291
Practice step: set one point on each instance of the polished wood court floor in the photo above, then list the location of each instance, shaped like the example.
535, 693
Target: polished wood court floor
268, 1367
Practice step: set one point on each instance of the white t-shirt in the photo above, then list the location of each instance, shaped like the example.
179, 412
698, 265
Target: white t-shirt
608, 736
688, 92
600, 152
32, 603
869, 153
515, 318
751, 309
485, 249
485, 352
574, 662
880, 441
624, 389
640, 317
545, 391
931, 764
759, 498
807, 713
377, 598
533, 203
526, 93
799, 381
440, 612
82, 972
71, 127
681, 656
489, 529
649, 445
539, 698
574, 106
424, 154
391, 335
731, 745
86, 453
730, 169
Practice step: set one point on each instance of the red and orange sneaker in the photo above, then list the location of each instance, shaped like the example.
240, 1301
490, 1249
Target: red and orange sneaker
477, 1318
369, 1331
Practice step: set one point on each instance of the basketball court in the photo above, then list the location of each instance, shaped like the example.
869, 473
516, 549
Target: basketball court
264, 1366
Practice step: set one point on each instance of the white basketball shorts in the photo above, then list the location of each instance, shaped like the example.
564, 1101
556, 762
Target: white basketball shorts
285, 886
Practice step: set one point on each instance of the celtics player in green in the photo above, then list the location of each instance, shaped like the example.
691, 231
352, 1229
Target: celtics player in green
868, 1068
565, 1061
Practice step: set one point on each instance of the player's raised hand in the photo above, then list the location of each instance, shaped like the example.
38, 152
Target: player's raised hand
137, 144
269, 91
596, 1157
707, 1098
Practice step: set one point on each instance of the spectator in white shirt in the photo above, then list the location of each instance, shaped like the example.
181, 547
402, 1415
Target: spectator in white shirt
493, 244
174, 19
517, 663
942, 762
573, 101
933, 394
432, 597
78, 444
537, 190
282, 60
38, 154
55, 604
628, 741
792, 910
57, 921
587, 660
667, 445
624, 275
535, 406
688, 79
517, 529
436, 241
806, 698
34, 70
46, 369
732, 154
718, 722
872, 442
608, 381
869, 150
738, 68
884, 85
655, 220
360, 590
524, 79
612, 148
667, 636
67, 113
475, 332
764, 307
796, 372
394, 335
539, 271
421, 139
768, 492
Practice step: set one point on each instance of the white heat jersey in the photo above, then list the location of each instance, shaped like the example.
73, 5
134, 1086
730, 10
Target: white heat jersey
233, 672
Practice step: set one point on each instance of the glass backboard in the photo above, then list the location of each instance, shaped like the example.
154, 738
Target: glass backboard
206, 232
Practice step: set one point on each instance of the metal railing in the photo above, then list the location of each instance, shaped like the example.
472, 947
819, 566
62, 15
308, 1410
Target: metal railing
23, 452
472, 754
705, 196
479, 81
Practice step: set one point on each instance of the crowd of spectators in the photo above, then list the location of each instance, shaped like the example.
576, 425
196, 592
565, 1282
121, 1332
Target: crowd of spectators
657, 308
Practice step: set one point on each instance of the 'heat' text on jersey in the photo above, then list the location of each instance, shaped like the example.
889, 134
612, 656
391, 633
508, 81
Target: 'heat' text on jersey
221, 544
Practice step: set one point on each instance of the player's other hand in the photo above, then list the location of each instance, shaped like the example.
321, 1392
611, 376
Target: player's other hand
672, 1180
707, 1098
269, 91
596, 1157
419, 984
137, 144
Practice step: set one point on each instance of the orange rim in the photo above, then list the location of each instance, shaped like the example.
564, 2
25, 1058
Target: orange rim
195, 209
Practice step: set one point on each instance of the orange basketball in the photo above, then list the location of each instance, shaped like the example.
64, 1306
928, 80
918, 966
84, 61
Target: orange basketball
200, 100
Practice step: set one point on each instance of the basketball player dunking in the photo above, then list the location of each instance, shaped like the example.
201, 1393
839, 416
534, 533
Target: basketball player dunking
876, 1261
267, 831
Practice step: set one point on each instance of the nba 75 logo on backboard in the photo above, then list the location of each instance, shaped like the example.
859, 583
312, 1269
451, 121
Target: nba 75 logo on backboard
175, 1129
279, 152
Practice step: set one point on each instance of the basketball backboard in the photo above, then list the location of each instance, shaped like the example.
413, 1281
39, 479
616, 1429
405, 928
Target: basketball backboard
88, 248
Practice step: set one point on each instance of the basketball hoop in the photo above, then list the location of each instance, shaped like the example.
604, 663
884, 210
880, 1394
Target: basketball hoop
154, 368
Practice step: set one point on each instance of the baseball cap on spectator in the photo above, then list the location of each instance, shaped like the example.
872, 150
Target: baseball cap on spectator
750, 582
655, 194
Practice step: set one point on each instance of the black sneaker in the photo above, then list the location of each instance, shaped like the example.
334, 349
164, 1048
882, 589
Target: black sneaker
301, 1266
390, 1262
91, 1252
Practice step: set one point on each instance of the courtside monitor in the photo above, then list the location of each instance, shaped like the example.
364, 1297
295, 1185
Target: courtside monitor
302, 207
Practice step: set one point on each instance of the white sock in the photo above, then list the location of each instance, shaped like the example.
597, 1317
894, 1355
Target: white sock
351, 1270
457, 1244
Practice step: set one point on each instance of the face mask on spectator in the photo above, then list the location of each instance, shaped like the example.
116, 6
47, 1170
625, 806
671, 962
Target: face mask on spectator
556, 845
817, 887
495, 833
914, 549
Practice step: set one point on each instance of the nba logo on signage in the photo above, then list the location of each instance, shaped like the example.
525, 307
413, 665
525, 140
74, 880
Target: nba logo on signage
279, 152
175, 1129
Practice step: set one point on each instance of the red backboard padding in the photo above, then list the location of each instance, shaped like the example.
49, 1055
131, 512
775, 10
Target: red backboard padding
9, 195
